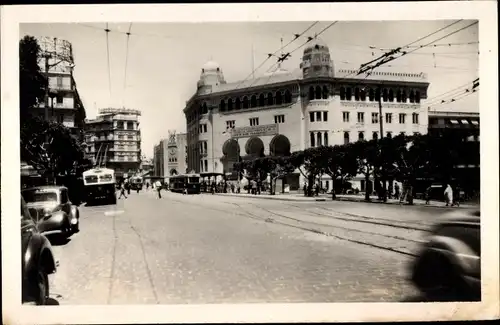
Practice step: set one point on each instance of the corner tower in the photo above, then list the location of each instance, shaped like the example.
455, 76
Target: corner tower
316, 61
211, 77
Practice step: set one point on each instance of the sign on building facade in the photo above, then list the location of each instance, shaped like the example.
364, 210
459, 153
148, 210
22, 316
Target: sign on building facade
253, 131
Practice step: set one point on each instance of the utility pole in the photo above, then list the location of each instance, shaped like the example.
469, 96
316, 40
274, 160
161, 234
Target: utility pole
381, 124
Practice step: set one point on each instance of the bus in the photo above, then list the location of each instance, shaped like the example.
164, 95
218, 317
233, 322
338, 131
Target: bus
187, 184
99, 183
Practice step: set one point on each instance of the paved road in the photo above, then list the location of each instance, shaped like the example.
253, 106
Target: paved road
211, 249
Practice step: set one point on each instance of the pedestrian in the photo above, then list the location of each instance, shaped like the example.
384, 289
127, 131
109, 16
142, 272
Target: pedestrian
147, 186
122, 191
448, 195
396, 191
158, 188
428, 195
254, 187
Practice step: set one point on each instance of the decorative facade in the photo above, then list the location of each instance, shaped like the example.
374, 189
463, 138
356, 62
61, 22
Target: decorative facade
64, 103
114, 140
285, 111
170, 155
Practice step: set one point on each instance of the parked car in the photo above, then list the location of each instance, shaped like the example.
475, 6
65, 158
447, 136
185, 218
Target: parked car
55, 212
448, 266
37, 260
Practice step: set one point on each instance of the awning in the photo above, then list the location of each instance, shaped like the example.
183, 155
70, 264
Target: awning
453, 121
464, 122
474, 122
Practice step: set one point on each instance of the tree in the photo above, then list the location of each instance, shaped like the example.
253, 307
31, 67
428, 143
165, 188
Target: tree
338, 162
280, 167
308, 164
32, 82
62, 154
366, 153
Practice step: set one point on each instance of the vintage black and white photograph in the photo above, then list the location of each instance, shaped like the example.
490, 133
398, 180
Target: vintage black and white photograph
193, 163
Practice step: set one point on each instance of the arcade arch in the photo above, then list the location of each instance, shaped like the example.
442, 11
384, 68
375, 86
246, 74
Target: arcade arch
254, 147
280, 146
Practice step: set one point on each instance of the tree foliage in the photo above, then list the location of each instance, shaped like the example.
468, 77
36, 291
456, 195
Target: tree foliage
32, 82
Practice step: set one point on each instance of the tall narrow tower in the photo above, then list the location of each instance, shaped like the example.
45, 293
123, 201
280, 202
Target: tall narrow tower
316, 61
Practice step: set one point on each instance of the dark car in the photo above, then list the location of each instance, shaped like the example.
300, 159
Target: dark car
448, 266
55, 212
37, 260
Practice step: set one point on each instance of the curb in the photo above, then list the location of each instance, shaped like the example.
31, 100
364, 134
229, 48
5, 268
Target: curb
273, 198
405, 204
322, 199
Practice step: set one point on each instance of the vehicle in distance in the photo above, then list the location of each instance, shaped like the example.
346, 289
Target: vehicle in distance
100, 184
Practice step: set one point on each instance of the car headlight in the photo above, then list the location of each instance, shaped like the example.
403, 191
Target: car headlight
58, 217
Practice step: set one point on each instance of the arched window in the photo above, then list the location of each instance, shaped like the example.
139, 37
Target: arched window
318, 92
412, 96
262, 100
371, 95
361, 136
288, 96
312, 139
325, 92
391, 95
362, 94
377, 94
389, 135
279, 98
270, 100
346, 137
356, 94
253, 101
245, 102
342, 93
222, 105
311, 93
404, 96
325, 135
399, 96
318, 138
417, 96
386, 95
348, 93
375, 136
230, 104
238, 103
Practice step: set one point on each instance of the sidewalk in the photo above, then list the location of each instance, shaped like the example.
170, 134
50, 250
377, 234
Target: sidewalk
349, 198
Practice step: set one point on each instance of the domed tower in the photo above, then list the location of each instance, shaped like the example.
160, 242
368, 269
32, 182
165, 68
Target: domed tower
211, 77
316, 61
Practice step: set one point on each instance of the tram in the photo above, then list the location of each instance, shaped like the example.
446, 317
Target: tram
187, 184
99, 183
136, 183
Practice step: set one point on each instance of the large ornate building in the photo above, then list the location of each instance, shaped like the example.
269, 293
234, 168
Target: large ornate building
114, 140
285, 111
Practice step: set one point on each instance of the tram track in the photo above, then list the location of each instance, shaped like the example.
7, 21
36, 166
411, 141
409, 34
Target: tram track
393, 243
364, 219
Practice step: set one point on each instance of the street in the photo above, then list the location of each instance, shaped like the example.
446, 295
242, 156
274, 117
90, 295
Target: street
192, 249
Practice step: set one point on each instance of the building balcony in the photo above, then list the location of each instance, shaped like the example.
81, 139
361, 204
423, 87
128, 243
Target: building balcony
61, 88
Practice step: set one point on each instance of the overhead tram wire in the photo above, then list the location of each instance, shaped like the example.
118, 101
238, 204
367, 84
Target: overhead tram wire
465, 88
296, 36
429, 35
107, 52
386, 58
126, 65
286, 55
453, 100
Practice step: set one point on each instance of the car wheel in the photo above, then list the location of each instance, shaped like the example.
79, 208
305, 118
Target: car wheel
76, 227
42, 287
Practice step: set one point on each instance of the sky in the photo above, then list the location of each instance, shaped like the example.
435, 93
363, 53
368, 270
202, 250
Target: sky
165, 59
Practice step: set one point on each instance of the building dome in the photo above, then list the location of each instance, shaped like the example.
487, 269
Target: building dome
211, 66
316, 44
